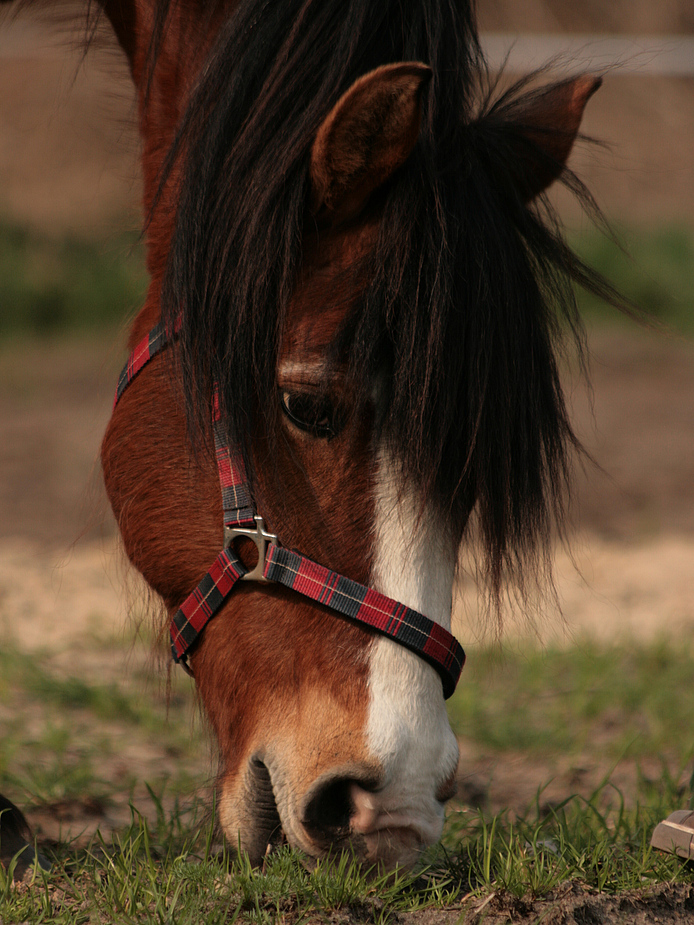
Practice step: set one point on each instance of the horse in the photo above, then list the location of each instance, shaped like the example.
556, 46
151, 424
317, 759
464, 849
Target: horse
357, 296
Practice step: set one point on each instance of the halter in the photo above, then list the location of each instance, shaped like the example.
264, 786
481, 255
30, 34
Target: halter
284, 566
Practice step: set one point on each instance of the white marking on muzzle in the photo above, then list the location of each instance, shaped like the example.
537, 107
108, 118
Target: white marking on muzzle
408, 730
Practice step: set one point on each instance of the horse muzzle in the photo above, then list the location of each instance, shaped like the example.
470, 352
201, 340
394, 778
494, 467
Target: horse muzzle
370, 821
345, 809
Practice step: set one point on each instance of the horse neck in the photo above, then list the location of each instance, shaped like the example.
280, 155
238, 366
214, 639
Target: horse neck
164, 80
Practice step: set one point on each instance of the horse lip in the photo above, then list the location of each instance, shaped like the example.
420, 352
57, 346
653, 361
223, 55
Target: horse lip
266, 826
393, 846
395, 826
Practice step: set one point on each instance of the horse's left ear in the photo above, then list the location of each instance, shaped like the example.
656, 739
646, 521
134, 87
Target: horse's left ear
368, 134
545, 129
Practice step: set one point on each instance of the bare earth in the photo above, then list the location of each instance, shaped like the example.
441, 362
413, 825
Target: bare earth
68, 161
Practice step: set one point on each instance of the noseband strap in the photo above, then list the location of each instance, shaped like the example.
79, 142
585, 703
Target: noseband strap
284, 566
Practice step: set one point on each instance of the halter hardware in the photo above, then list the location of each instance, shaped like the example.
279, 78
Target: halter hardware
262, 540
359, 603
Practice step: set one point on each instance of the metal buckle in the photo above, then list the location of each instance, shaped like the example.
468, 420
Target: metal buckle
262, 540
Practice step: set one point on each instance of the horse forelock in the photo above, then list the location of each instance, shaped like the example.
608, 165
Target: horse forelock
468, 287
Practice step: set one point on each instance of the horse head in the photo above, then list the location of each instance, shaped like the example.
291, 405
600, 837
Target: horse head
355, 262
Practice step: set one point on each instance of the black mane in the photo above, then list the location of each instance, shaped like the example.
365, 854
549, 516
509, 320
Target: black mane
470, 287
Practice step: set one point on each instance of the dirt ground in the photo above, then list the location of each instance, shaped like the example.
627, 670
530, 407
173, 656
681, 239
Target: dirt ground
68, 161
572, 904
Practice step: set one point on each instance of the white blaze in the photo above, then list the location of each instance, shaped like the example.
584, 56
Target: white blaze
408, 730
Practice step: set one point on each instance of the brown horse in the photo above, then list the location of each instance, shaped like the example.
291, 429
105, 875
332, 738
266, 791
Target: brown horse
349, 247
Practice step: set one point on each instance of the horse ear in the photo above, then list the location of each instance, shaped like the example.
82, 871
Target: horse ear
368, 134
545, 130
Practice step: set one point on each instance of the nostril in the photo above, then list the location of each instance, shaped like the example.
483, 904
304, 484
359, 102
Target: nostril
329, 810
333, 807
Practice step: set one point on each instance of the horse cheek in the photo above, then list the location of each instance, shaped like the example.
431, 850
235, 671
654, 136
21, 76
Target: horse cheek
165, 500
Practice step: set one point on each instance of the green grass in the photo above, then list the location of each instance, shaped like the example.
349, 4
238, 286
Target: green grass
33, 676
50, 285
652, 268
172, 871
614, 700
60, 733
167, 864
598, 841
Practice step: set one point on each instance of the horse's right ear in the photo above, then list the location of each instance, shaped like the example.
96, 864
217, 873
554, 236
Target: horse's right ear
541, 130
368, 134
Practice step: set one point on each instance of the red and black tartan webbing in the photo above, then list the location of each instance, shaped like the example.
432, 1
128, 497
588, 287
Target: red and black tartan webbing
408, 627
199, 607
236, 498
148, 347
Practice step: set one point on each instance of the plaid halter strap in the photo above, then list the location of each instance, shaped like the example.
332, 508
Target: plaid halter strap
411, 629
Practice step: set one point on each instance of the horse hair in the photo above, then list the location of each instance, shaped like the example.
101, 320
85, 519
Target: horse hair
470, 290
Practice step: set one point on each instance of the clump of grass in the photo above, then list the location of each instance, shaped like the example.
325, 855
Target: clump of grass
597, 841
173, 870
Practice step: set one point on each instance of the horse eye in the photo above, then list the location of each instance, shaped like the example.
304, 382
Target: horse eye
311, 413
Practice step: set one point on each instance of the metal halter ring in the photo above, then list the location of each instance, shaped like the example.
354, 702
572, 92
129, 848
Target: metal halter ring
262, 540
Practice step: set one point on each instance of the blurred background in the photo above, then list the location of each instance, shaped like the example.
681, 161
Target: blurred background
603, 687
